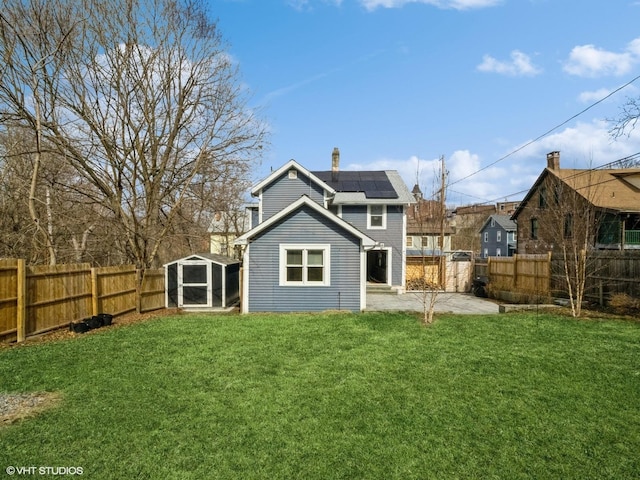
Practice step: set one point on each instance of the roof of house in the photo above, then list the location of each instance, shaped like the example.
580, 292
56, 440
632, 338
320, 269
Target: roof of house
503, 220
367, 187
284, 168
351, 187
615, 189
374, 184
301, 202
474, 209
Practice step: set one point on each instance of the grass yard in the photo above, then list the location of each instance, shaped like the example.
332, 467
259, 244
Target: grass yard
373, 396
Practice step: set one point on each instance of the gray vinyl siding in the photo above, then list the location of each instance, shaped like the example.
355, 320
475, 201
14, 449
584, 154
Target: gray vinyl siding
283, 191
304, 226
391, 236
492, 243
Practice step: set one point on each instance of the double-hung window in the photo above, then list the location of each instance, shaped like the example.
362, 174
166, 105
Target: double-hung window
305, 264
377, 217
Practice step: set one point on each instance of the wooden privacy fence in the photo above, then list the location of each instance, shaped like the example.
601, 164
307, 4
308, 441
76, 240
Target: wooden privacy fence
526, 274
37, 299
609, 272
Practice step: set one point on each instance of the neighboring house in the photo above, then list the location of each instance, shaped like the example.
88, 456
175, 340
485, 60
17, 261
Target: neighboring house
614, 196
507, 208
322, 236
465, 222
498, 237
225, 228
427, 227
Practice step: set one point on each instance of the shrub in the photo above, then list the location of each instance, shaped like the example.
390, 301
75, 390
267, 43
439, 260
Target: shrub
623, 304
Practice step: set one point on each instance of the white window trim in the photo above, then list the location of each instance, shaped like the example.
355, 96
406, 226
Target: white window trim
498, 252
384, 218
499, 236
486, 237
326, 263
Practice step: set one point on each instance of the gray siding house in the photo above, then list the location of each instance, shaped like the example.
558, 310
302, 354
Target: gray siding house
498, 237
321, 237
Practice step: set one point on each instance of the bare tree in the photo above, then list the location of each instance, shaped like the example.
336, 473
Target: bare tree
33, 41
627, 120
569, 227
145, 106
428, 216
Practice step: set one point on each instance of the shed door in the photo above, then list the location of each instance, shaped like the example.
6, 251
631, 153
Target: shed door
194, 284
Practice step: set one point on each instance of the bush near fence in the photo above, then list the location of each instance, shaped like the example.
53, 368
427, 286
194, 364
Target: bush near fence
38, 299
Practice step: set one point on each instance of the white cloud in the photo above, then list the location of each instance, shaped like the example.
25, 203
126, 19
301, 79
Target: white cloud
520, 65
455, 4
590, 61
594, 96
585, 145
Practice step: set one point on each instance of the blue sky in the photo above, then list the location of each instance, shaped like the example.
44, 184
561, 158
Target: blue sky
395, 84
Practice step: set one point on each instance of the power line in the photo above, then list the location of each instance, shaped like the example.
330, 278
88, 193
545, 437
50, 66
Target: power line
635, 157
540, 137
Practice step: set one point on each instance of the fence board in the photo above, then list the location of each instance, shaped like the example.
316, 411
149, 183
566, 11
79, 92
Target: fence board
37, 299
9, 298
56, 295
529, 274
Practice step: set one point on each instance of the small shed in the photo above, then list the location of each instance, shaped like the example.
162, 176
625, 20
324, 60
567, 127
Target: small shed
203, 280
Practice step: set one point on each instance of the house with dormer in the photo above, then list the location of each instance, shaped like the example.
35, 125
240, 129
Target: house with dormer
318, 238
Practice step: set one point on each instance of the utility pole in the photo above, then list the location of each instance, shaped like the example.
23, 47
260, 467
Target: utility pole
443, 212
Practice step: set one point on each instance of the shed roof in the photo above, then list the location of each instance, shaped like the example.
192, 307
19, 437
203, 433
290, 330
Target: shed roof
212, 257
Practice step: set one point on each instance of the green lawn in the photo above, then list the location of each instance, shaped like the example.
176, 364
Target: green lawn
375, 396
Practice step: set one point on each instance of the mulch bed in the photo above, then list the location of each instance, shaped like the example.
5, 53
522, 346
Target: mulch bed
65, 333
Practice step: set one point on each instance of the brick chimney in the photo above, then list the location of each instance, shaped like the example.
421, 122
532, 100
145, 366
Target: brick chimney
335, 164
553, 160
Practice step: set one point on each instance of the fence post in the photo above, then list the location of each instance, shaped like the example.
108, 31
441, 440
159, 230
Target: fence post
139, 279
94, 291
549, 255
21, 318
515, 270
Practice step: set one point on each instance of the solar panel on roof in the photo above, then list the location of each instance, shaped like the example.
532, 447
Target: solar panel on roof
374, 184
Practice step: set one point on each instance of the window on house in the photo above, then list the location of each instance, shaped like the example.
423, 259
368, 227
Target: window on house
409, 241
486, 252
498, 252
542, 197
293, 173
534, 228
304, 265
377, 217
486, 237
557, 193
493, 222
498, 236
568, 225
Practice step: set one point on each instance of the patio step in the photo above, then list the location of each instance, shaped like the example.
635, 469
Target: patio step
381, 288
